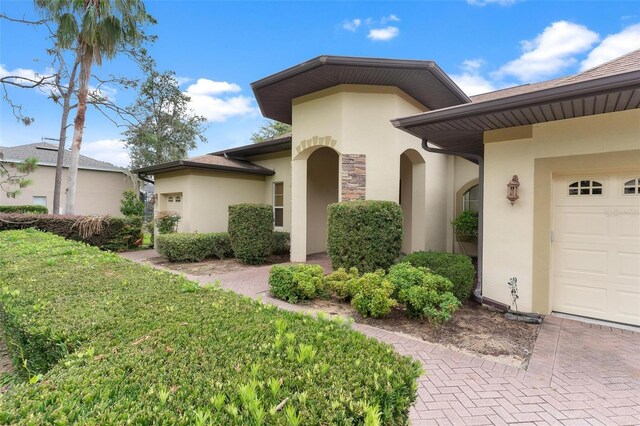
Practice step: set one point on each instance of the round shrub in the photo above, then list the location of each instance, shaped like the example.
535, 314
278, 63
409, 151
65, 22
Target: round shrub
364, 234
456, 267
294, 283
342, 283
251, 232
373, 295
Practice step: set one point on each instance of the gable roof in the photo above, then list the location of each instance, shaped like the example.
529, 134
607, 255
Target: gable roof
276, 144
47, 155
610, 87
422, 80
208, 162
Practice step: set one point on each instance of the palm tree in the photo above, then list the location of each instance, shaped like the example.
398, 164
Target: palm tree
93, 28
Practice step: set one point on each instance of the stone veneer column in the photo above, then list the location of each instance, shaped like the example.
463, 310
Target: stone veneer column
353, 176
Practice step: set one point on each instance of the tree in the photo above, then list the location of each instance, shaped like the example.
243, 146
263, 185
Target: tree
167, 128
130, 204
13, 176
93, 29
270, 130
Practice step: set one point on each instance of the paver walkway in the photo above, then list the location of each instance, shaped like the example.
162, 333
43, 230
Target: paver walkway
579, 373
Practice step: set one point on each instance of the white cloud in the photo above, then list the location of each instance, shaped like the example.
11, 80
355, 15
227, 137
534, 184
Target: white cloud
183, 80
486, 2
551, 52
390, 18
612, 46
205, 86
110, 150
352, 25
27, 77
104, 91
219, 109
383, 34
470, 80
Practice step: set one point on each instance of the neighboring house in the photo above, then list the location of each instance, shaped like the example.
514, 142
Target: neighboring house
572, 239
99, 188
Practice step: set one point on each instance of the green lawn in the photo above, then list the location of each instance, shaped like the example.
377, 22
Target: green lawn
105, 341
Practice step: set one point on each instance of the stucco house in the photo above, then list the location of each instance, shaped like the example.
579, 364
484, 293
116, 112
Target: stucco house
100, 184
402, 130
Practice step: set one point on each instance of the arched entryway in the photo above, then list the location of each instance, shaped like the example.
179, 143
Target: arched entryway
412, 200
322, 190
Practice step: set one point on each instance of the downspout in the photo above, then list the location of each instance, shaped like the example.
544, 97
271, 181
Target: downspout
477, 292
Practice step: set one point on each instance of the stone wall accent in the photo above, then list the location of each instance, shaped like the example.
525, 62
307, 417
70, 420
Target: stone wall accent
353, 176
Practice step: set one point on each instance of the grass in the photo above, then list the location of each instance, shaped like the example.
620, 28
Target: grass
105, 341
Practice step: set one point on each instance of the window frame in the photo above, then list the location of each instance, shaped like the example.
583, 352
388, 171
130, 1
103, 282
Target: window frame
580, 188
276, 207
635, 186
466, 202
33, 203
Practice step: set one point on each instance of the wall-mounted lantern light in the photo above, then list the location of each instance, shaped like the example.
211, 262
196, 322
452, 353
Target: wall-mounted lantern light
512, 194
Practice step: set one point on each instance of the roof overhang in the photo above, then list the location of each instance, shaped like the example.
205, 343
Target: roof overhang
186, 164
278, 144
461, 128
422, 80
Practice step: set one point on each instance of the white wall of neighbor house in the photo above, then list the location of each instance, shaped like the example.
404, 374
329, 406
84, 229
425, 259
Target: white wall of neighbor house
97, 193
517, 238
355, 119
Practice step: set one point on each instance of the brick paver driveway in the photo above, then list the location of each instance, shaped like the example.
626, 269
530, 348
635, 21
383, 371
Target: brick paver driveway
579, 373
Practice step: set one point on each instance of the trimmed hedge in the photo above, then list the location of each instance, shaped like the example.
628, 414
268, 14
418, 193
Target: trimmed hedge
24, 209
251, 232
364, 234
281, 243
108, 341
194, 247
456, 267
117, 233
294, 283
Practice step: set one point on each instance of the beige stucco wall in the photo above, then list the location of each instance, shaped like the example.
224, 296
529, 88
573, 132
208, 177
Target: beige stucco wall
279, 162
516, 238
206, 196
97, 192
355, 119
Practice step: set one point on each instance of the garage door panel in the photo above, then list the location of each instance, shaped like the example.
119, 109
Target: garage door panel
596, 251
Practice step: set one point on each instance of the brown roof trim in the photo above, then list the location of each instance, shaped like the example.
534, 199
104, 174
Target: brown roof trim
275, 102
278, 144
186, 164
553, 94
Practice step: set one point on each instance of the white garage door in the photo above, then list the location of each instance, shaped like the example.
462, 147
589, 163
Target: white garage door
596, 246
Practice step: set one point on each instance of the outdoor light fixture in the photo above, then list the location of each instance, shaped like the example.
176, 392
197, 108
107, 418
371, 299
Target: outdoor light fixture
512, 194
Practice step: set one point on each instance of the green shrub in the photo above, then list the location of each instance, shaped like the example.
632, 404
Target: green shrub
251, 232
373, 295
404, 275
106, 341
456, 267
294, 283
181, 247
342, 283
167, 222
466, 226
364, 234
111, 233
24, 209
130, 204
281, 243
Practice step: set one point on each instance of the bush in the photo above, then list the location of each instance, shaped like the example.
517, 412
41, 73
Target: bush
251, 232
107, 341
456, 267
167, 222
342, 283
294, 283
130, 204
404, 275
194, 247
281, 243
466, 226
373, 295
24, 209
364, 234
105, 232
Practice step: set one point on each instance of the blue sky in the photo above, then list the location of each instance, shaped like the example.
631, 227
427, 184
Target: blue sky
218, 48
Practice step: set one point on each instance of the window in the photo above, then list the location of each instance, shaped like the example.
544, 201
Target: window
39, 200
471, 199
585, 187
178, 199
632, 187
278, 204
170, 199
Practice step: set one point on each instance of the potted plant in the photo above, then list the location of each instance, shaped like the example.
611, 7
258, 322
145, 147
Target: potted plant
465, 226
